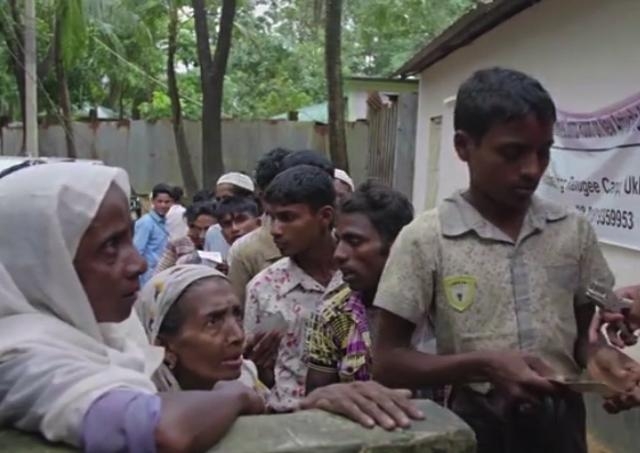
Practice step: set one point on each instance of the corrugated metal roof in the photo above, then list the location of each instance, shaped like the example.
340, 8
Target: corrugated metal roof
477, 22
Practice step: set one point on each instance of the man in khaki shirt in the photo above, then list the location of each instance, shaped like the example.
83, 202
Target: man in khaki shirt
502, 277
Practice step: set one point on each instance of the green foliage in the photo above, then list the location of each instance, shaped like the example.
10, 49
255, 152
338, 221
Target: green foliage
115, 51
74, 30
380, 35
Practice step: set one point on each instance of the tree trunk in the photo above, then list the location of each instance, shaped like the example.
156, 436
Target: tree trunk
212, 71
13, 32
337, 134
64, 99
114, 95
184, 158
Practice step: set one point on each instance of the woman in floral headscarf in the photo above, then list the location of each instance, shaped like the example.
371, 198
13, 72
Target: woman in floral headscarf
192, 312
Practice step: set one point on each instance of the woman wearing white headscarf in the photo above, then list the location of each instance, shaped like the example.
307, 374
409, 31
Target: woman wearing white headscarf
68, 280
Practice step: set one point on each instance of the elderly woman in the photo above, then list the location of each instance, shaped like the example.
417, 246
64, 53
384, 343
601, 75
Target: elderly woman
74, 363
191, 311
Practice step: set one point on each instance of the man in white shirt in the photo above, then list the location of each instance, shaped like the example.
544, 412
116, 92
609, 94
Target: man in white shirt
176, 224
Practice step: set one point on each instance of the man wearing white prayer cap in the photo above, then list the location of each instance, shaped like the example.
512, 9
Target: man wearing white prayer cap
343, 184
229, 185
234, 184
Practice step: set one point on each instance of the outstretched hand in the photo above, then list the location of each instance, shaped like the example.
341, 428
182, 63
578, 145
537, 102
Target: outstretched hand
521, 378
619, 326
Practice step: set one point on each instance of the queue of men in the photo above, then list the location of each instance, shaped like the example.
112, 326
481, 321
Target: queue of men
341, 284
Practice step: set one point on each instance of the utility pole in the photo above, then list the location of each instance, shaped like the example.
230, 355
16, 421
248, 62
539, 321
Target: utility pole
30, 127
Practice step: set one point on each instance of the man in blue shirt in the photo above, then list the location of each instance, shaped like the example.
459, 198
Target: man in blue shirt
151, 235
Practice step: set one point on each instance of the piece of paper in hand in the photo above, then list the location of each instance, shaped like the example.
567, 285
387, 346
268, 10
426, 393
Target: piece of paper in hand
215, 257
271, 323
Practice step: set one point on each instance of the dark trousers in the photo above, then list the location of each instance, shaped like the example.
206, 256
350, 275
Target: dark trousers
557, 425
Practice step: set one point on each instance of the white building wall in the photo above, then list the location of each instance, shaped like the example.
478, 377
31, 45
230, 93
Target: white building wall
585, 52
357, 109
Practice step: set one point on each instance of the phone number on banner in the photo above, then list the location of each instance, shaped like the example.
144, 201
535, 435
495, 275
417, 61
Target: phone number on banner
615, 218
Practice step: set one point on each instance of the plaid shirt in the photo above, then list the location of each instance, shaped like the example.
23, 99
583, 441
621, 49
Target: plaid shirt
339, 340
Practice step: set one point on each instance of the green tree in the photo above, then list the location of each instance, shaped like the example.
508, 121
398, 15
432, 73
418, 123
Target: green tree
276, 62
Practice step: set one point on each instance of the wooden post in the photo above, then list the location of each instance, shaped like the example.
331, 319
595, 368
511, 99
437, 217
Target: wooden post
30, 127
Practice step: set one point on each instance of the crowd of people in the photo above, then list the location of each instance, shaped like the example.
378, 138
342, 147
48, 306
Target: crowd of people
293, 289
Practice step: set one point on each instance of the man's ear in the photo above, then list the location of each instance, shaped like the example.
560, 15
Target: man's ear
464, 145
327, 214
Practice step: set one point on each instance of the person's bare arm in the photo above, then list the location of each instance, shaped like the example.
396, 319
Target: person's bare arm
194, 421
584, 314
320, 378
397, 365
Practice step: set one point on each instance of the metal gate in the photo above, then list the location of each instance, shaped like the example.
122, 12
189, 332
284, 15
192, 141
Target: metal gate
383, 119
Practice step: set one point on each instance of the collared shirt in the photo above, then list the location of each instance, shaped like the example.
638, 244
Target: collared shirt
150, 239
214, 241
339, 340
178, 251
251, 254
484, 291
285, 288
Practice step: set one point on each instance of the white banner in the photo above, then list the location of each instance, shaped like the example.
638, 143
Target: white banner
595, 168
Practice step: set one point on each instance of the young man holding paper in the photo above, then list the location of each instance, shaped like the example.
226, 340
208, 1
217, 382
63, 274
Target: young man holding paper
299, 203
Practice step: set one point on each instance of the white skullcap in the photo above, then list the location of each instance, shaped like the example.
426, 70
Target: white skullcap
237, 179
342, 175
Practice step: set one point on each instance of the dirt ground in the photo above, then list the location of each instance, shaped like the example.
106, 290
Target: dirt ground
595, 446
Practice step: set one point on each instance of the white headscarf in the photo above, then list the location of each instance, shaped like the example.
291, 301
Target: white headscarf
55, 358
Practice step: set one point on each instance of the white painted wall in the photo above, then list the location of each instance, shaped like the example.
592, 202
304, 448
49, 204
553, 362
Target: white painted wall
585, 52
357, 108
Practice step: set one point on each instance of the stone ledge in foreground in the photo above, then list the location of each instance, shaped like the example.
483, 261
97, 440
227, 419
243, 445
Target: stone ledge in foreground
312, 432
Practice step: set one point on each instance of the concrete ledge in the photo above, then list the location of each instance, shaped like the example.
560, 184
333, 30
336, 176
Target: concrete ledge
313, 431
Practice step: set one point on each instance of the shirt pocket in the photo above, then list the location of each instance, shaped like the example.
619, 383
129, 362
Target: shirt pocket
563, 277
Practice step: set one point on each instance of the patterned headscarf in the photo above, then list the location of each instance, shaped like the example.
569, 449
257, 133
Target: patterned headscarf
156, 299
